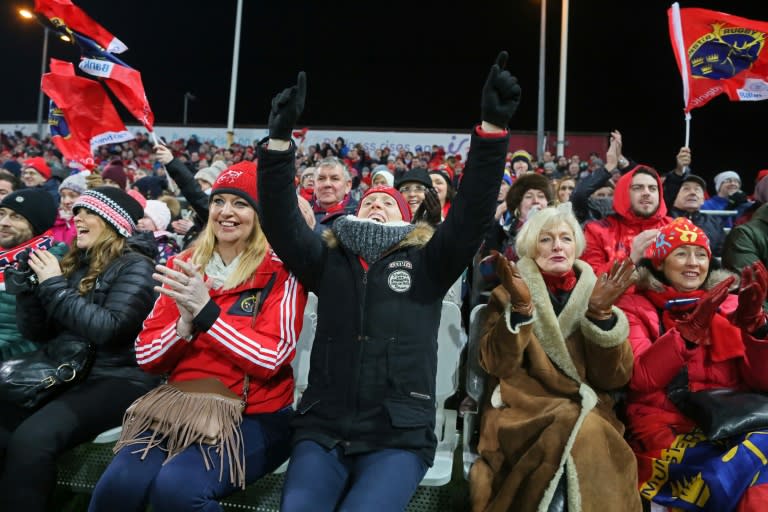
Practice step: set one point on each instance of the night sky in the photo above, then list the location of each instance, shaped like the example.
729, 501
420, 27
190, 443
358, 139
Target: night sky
412, 65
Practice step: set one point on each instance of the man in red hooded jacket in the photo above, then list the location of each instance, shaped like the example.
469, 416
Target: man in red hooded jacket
640, 211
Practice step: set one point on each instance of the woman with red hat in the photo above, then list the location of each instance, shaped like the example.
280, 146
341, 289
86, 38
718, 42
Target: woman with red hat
688, 332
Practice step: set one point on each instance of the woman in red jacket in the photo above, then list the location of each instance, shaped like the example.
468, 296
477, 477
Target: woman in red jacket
229, 310
682, 319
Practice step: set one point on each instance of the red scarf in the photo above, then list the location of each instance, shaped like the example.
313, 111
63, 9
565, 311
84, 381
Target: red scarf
726, 342
560, 283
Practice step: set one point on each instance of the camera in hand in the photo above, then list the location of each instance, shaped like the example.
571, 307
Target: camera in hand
20, 278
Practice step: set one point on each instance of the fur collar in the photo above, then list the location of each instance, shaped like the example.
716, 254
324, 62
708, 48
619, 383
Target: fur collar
550, 330
647, 281
418, 237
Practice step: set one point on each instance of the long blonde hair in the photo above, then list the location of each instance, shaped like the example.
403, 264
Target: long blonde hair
250, 258
107, 247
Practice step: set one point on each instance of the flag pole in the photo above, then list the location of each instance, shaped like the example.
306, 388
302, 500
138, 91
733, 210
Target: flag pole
677, 27
233, 80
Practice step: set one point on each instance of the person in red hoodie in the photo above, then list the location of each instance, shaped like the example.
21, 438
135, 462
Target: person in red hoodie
228, 310
640, 210
687, 331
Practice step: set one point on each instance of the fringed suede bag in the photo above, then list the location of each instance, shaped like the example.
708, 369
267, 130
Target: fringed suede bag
199, 411
202, 411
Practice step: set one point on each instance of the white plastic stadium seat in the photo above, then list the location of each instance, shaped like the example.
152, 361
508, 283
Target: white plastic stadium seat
450, 342
108, 436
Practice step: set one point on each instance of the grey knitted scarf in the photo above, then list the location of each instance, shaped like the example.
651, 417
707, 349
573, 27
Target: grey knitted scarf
367, 238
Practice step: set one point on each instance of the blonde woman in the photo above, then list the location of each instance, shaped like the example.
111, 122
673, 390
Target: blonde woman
230, 311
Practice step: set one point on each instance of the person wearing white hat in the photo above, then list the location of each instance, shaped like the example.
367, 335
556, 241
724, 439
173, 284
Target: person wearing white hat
156, 218
729, 196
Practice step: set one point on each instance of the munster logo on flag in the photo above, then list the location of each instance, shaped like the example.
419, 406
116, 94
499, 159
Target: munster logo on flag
719, 53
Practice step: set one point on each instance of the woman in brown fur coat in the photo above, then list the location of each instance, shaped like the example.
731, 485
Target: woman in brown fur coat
549, 438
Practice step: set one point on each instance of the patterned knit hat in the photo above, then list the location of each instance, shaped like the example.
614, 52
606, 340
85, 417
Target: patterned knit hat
240, 180
115, 206
405, 210
677, 233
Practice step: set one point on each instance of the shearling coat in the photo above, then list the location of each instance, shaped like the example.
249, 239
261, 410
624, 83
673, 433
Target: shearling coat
557, 418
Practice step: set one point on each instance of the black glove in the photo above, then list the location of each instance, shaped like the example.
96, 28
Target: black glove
429, 210
286, 109
737, 198
20, 278
501, 94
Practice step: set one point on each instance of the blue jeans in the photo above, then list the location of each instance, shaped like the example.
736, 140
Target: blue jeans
323, 480
129, 484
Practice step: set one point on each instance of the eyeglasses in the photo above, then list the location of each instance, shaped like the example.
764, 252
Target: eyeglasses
413, 188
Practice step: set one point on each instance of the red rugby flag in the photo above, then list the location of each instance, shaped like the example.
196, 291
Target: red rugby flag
719, 53
82, 116
63, 13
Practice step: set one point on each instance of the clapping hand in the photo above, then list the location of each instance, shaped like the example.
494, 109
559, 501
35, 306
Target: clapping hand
519, 294
44, 264
749, 314
694, 326
501, 94
185, 285
287, 106
608, 288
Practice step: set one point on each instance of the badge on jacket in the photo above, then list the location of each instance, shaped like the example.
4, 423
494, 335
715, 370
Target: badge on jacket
244, 304
399, 281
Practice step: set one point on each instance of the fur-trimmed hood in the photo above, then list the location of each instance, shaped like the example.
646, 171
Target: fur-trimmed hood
647, 281
419, 237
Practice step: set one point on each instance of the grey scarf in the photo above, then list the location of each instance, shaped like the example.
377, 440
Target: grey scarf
367, 238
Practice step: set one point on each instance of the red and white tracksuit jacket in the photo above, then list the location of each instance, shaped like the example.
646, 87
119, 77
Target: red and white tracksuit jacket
229, 342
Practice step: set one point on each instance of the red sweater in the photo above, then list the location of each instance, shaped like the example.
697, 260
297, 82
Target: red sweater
233, 344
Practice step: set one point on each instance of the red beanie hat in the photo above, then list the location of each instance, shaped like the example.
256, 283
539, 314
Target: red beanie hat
405, 210
677, 233
240, 180
38, 163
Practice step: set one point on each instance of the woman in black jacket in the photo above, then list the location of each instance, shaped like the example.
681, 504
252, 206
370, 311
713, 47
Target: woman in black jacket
100, 294
365, 425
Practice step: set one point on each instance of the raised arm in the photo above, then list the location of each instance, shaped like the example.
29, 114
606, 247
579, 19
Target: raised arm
458, 238
301, 249
196, 198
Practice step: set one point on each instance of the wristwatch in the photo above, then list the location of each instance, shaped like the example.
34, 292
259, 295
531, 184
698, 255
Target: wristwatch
623, 162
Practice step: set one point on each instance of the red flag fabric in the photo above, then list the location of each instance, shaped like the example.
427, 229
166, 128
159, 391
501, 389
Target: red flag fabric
82, 116
65, 13
125, 82
719, 53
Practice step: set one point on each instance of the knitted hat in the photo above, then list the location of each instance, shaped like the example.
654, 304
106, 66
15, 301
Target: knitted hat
39, 164
240, 180
415, 175
115, 206
208, 174
151, 187
116, 173
720, 178
159, 213
521, 155
75, 183
13, 167
405, 210
35, 205
384, 171
677, 233
525, 183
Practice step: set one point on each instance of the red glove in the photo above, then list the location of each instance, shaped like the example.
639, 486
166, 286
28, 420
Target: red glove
749, 314
694, 326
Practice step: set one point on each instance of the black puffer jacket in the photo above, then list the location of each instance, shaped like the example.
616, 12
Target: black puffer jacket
110, 316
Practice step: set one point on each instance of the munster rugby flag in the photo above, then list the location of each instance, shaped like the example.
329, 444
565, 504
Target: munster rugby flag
719, 53
63, 13
82, 116
123, 80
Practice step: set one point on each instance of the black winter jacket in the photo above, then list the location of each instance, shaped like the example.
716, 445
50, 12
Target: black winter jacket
374, 358
110, 316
